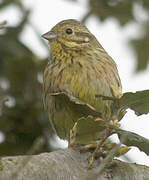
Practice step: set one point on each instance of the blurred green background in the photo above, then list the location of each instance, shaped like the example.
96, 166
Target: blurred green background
22, 118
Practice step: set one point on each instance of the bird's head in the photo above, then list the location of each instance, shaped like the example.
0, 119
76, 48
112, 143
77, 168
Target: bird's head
71, 34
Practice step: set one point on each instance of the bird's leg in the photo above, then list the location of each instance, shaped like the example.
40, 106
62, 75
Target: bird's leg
91, 160
91, 145
98, 151
101, 147
70, 143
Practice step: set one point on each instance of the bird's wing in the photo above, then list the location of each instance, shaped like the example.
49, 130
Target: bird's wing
83, 82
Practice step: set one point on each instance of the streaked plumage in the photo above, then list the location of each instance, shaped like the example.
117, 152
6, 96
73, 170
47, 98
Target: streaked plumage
80, 67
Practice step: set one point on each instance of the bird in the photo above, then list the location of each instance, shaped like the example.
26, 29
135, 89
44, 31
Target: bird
81, 68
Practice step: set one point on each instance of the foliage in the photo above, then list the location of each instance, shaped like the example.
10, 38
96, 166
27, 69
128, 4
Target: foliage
139, 102
22, 118
126, 12
133, 139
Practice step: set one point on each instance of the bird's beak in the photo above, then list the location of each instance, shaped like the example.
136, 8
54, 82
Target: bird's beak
49, 35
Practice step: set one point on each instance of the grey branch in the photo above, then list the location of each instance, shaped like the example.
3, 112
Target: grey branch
67, 164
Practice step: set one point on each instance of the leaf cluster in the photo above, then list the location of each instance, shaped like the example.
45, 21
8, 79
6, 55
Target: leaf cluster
86, 126
126, 12
22, 117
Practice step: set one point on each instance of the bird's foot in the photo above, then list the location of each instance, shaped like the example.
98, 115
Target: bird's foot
84, 148
98, 152
104, 149
89, 147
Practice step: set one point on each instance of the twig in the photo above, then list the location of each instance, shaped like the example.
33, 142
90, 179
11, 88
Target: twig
106, 161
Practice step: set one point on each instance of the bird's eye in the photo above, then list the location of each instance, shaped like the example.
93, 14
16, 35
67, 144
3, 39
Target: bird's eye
69, 31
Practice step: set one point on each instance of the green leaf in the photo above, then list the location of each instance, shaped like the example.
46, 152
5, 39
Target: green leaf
138, 101
89, 124
7, 3
78, 106
132, 139
140, 46
121, 10
87, 130
145, 4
